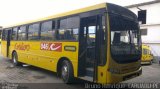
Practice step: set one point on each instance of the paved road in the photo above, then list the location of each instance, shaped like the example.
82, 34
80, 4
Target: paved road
31, 77
150, 74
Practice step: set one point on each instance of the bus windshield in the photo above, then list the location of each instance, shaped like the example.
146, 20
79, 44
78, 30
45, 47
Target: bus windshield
125, 46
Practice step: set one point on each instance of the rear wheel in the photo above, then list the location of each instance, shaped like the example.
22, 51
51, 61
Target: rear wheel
67, 72
15, 59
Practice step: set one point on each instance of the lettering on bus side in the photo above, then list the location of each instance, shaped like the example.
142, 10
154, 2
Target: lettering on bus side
70, 48
51, 46
22, 46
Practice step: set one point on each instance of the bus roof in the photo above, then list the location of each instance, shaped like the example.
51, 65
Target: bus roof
94, 7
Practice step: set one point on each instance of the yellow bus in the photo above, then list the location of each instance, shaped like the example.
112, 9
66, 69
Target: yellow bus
100, 43
147, 56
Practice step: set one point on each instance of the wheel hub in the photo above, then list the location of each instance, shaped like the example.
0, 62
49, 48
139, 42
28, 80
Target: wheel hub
64, 71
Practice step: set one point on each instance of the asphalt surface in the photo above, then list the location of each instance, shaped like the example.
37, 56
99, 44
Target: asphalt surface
29, 77
150, 74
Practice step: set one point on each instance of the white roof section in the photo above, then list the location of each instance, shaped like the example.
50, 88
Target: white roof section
143, 4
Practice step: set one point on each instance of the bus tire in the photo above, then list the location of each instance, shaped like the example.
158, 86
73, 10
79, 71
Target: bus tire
67, 72
15, 59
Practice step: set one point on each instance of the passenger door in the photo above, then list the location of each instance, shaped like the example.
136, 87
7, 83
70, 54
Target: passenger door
89, 47
8, 41
5, 42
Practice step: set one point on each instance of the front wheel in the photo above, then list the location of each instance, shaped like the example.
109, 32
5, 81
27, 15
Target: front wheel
67, 72
15, 59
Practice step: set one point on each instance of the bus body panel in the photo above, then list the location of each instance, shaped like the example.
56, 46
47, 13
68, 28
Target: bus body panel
32, 53
113, 72
119, 72
4, 48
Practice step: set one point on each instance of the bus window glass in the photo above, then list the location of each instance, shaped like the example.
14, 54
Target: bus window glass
14, 34
75, 33
67, 34
22, 33
124, 39
4, 34
47, 30
69, 29
33, 32
91, 35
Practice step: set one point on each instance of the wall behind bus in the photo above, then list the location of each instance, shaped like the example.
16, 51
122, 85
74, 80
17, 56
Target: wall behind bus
152, 38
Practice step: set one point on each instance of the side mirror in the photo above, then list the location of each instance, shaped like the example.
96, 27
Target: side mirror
142, 16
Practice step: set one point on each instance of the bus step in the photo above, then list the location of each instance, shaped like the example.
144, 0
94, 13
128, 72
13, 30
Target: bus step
87, 78
89, 72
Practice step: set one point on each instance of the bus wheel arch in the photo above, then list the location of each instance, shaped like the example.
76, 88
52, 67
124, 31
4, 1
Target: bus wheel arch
60, 66
13, 52
15, 58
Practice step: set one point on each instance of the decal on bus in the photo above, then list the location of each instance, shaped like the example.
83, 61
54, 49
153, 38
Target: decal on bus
22, 46
51, 46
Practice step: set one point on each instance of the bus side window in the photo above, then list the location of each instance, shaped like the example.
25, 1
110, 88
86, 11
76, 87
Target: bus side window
68, 29
48, 30
22, 33
14, 33
4, 34
33, 31
62, 28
